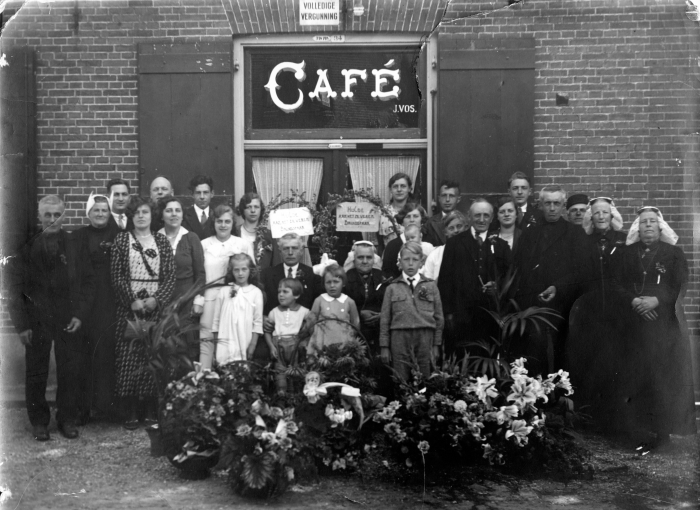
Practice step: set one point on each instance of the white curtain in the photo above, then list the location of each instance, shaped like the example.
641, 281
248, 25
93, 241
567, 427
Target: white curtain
275, 176
281, 175
375, 171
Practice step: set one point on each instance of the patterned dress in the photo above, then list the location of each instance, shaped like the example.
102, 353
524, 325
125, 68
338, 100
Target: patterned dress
139, 271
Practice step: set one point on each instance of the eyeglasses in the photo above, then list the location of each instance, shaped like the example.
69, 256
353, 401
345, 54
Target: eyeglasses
648, 208
607, 199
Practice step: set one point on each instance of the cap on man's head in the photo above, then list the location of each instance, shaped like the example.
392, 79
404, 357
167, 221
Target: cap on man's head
579, 198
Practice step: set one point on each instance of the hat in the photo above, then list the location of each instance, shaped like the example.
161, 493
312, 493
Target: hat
576, 199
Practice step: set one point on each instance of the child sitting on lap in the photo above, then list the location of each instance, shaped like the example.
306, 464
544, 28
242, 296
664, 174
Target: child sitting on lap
332, 305
288, 319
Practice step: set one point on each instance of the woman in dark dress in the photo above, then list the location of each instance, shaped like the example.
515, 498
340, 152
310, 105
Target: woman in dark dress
593, 348
97, 374
189, 264
143, 277
657, 372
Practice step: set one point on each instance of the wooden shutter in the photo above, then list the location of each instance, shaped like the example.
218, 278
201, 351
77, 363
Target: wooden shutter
485, 112
18, 199
186, 114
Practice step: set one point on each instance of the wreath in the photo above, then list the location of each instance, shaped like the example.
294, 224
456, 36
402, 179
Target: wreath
262, 231
325, 222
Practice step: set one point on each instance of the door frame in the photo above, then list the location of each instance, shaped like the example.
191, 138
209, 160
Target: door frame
241, 145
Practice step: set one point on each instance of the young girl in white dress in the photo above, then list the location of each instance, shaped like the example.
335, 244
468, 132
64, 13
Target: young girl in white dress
238, 313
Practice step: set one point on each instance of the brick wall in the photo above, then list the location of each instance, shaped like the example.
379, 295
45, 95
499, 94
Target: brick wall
630, 130
87, 87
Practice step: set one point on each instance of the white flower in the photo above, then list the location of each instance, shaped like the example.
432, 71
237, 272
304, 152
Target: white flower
243, 430
424, 446
519, 430
269, 437
522, 394
518, 367
562, 381
169, 407
506, 413
460, 406
485, 389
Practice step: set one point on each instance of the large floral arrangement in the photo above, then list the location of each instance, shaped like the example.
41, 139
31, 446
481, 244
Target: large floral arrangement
452, 415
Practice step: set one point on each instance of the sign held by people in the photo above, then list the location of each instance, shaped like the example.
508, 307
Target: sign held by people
357, 217
285, 221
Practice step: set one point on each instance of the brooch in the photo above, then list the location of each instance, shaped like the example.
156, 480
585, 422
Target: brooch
423, 294
660, 268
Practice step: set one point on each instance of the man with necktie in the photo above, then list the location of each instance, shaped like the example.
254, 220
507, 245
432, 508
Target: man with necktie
472, 264
198, 218
120, 193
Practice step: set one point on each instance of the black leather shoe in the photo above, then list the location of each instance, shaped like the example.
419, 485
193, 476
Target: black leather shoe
41, 433
68, 430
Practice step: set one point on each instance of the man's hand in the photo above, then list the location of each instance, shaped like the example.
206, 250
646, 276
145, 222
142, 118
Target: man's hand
197, 309
268, 325
369, 318
273, 352
26, 337
385, 355
73, 325
548, 294
436, 354
137, 306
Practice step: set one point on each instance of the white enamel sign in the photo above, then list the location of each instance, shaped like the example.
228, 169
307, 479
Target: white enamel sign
319, 12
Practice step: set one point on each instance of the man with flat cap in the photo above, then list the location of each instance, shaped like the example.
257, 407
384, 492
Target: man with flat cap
576, 207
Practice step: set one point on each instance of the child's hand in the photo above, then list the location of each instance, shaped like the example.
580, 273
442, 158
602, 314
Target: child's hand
436, 354
273, 352
250, 352
385, 355
268, 325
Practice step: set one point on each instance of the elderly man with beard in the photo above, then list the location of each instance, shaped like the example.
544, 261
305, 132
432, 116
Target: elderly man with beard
51, 285
547, 275
472, 265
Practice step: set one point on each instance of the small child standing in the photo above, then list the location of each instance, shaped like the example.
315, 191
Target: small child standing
238, 313
334, 305
411, 320
288, 319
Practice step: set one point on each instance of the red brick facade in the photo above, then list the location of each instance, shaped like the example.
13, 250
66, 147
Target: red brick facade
628, 68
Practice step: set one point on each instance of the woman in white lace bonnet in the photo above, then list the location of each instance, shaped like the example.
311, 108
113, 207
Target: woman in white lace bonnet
656, 372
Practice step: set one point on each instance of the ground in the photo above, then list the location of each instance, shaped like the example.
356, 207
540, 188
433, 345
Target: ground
108, 467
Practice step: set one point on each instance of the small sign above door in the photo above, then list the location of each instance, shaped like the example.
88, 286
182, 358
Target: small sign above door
297, 220
319, 12
357, 217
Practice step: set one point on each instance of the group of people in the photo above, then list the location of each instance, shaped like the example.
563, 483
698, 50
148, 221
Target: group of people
422, 292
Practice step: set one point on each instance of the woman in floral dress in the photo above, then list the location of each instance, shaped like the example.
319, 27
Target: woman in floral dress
143, 277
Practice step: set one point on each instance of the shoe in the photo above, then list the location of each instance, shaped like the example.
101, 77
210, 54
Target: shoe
131, 424
68, 430
41, 433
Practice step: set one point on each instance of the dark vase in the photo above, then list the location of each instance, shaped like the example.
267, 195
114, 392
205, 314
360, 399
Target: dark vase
157, 447
195, 468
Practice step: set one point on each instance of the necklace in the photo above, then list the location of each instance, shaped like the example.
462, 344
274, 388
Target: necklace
143, 237
642, 255
246, 229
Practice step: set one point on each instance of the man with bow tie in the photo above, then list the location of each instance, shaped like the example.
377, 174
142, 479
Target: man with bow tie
51, 289
119, 192
472, 264
198, 218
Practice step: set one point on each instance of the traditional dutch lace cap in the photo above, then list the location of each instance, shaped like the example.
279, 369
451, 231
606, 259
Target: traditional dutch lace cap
91, 202
667, 233
615, 222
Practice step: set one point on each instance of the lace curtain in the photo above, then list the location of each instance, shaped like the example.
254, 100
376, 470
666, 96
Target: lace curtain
275, 176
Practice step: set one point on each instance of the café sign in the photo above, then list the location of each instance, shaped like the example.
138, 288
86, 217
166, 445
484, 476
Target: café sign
324, 91
321, 12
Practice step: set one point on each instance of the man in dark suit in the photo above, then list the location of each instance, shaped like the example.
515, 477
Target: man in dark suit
520, 189
472, 264
547, 263
448, 199
198, 218
119, 192
51, 286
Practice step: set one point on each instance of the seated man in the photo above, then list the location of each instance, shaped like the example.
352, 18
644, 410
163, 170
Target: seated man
365, 287
51, 288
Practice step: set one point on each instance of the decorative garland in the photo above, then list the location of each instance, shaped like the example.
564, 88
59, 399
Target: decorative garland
263, 228
325, 226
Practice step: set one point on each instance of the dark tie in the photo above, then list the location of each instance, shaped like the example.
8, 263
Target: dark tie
289, 273
203, 219
479, 240
519, 217
410, 283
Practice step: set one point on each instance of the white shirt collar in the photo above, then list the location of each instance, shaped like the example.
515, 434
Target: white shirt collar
341, 299
200, 211
523, 207
416, 278
180, 233
482, 234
